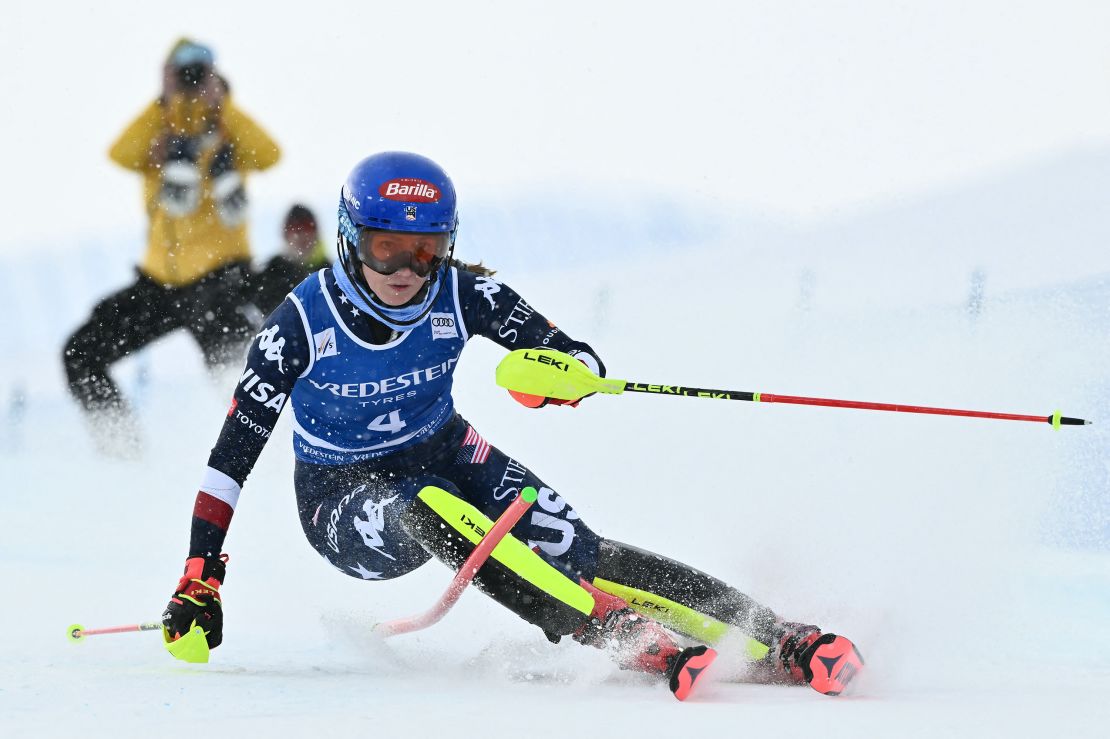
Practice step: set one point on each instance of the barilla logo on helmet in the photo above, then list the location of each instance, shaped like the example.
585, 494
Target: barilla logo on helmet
409, 190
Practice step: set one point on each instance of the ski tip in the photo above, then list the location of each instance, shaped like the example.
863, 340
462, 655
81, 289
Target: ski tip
831, 664
688, 669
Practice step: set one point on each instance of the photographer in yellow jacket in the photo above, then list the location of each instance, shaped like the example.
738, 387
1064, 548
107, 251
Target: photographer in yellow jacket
193, 148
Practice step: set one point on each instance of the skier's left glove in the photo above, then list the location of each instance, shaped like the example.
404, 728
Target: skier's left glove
538, 401
197, 601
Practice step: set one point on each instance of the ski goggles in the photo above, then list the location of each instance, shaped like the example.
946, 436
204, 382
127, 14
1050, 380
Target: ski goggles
385, 252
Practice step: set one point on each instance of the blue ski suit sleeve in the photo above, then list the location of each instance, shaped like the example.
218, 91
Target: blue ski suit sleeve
277, 357
496, 311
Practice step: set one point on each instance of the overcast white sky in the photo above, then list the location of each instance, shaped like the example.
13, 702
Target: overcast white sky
795, 108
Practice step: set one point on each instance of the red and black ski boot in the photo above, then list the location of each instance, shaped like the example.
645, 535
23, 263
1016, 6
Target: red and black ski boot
639, 643
826, 662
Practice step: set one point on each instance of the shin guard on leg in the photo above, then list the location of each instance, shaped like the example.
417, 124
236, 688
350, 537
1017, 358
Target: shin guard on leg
524, 582
515, 576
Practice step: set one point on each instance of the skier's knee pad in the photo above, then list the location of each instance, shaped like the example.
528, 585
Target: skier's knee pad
359, 532
514, 575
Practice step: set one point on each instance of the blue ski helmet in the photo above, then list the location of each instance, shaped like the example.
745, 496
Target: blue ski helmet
396, 191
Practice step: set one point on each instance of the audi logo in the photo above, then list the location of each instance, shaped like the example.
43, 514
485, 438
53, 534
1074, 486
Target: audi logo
443, 322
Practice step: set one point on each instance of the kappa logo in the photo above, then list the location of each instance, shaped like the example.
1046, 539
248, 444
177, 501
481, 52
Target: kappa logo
272, 345
325, 343
443, 326
488, 287
371, 529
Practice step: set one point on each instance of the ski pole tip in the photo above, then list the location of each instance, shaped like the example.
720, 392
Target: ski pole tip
529, 494
75, 632
1057, 420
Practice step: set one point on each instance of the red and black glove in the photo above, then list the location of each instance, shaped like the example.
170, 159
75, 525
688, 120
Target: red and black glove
538, 401
197, 599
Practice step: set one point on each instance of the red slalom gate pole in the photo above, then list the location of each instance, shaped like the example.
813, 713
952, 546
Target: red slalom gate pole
466, 573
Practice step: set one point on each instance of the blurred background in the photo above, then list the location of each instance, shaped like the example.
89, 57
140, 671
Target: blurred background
898, 202
951, 137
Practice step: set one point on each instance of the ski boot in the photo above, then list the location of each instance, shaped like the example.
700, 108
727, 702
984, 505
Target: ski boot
826, 662
636, 642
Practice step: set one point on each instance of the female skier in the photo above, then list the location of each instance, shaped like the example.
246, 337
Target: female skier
365, 352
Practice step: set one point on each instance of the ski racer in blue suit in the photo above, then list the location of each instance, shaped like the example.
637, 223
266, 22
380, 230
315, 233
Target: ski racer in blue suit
365, 351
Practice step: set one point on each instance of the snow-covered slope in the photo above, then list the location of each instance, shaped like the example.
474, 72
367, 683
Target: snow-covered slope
969, 559
882, 201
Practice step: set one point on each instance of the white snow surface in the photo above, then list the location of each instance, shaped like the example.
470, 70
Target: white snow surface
967, 558
961, 262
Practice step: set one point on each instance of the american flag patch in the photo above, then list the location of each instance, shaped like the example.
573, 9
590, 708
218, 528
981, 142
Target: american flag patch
474, 449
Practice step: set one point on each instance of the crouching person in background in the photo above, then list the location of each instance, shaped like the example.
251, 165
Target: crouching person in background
193, 148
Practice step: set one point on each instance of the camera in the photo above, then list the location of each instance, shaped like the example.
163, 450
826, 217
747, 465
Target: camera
192, 75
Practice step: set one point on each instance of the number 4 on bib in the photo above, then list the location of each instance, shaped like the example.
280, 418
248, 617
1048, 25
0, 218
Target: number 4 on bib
387, 423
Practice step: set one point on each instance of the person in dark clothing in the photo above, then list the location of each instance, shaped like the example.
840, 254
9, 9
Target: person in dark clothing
193, 148
303, 253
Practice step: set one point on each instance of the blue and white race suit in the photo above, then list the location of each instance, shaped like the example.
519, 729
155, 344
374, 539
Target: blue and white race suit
374, 421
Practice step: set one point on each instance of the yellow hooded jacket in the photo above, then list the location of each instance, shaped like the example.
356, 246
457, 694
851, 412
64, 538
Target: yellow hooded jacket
181, 250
